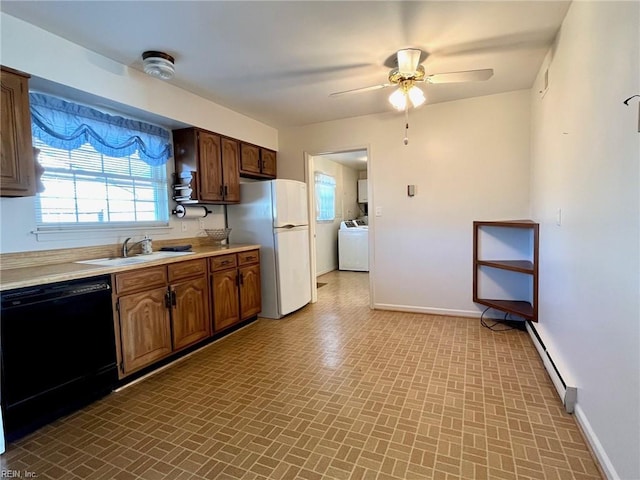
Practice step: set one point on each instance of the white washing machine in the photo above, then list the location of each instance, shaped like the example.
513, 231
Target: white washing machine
353, 246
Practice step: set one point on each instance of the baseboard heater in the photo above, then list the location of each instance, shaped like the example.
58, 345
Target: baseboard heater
568, 394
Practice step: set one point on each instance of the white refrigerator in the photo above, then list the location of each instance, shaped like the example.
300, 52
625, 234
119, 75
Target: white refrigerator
274, 214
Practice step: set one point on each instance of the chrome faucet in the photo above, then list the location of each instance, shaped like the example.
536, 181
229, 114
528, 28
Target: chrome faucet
145, 242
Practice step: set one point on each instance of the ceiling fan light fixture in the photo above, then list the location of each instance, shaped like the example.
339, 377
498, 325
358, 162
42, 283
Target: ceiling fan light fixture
158, 64
408, 60
398, 99
416, 96
404, 94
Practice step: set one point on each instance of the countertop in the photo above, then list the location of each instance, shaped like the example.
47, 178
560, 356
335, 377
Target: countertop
30, 276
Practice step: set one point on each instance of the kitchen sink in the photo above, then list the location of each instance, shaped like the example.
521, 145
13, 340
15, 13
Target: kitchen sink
120, 261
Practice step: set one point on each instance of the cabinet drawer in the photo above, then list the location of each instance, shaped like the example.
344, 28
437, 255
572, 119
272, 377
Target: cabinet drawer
142, 279
248, 258
192, 268
222, 262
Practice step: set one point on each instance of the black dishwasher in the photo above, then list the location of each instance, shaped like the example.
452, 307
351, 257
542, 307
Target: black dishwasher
57, 351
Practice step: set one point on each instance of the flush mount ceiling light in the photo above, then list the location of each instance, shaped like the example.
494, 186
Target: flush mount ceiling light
158, 64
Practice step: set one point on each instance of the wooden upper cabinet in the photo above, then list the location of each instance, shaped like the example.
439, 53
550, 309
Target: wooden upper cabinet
257, 162
209, 168
249, 159
231, 170
17, 167
214, 158
268, 162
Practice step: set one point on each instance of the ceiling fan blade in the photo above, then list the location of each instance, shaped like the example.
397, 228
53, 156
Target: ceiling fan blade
408, 60
465, 76
360, 90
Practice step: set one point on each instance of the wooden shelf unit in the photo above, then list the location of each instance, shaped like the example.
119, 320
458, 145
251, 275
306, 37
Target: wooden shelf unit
523, 308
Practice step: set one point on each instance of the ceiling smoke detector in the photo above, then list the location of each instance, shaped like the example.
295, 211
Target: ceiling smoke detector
158, 64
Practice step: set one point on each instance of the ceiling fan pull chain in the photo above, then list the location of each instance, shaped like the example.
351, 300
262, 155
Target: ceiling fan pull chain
406, 125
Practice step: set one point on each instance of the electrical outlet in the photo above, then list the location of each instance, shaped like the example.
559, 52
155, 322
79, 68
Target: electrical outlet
183, 226
201, 223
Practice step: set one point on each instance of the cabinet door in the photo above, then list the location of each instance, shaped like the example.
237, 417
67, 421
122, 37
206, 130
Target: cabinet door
224, 292
250, 299
145, 328
17, 171
268, 163
231, 170
249, 159
190, 312
210, 175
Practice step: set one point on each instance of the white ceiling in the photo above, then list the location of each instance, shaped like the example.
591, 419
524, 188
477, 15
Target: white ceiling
277, 62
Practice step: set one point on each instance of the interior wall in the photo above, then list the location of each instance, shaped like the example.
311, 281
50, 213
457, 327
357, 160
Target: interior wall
64, 66
346, 208
585, 157
469, 161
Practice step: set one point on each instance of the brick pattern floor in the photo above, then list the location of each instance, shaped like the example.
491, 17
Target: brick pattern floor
334, 391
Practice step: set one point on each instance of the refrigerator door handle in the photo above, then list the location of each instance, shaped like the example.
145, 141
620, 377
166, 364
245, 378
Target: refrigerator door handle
289, 225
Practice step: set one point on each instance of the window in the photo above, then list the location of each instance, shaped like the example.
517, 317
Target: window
99, 169
325, 197
83, 186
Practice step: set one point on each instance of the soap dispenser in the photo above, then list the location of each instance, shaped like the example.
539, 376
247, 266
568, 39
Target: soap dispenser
147, 246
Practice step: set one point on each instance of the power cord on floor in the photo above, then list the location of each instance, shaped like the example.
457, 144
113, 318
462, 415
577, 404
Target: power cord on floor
496, 323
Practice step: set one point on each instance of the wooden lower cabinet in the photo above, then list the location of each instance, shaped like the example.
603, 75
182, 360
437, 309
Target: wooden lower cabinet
163, 309
224, 291
145, 329
190, 312
235, 288
250, 298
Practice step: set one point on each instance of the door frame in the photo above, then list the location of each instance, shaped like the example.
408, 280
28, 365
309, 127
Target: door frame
309, 165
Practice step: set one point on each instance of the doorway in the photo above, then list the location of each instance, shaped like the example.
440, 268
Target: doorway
348, 171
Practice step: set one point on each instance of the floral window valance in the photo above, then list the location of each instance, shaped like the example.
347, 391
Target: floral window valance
66, 125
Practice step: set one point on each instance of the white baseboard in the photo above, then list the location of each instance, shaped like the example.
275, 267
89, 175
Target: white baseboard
430, 310
326, 271
605, 463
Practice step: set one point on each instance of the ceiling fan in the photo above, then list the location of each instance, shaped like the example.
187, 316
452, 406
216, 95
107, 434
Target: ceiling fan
408, 72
